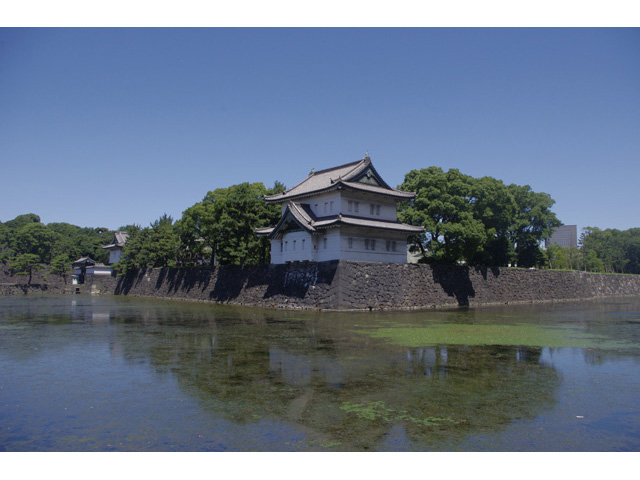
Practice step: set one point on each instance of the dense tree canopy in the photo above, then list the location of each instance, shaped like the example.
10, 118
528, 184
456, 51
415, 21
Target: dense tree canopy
611, 250
221, 228
59, 243
478, 221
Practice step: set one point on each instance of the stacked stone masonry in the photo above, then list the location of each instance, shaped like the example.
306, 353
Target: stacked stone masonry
345, 285
348, 285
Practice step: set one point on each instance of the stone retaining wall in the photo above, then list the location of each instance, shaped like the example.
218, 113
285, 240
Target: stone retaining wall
367, 285
304, 285
362, 285
345, 285
42, 283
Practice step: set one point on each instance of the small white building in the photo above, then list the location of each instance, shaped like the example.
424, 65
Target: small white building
342, 213
87, 266
115, 248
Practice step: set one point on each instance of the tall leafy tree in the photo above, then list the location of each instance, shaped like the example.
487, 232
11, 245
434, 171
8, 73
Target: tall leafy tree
534, 222
478, 221
443, 208
221, 228
37, 239
8, 231
495, 207
60, 265
163, 242
154, 246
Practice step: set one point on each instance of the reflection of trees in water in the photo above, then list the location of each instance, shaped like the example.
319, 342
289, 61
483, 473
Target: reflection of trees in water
345, 390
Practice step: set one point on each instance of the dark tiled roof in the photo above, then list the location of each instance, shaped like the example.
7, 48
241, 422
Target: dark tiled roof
84, 260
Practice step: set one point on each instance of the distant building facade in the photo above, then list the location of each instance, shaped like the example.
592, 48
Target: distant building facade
87, 266
564, 236
115, 248
342, 213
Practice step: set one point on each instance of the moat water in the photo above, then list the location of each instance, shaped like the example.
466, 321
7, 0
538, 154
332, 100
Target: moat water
125, 374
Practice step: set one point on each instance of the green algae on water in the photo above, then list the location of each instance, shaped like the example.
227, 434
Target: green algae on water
530, 335
379, 411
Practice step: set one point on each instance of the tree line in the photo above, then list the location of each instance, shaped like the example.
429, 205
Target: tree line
219, 230
27, 244
467, 220
603, 251
476, 221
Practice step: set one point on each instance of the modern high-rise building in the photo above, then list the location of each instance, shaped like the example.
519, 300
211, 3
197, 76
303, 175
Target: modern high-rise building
564, 236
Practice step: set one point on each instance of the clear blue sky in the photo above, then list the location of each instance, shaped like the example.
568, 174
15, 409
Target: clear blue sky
107, 127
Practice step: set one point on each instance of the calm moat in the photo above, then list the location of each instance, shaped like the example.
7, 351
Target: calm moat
81, 373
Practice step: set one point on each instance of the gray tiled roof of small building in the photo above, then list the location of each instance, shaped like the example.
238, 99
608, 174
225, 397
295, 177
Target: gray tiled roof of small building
120, 238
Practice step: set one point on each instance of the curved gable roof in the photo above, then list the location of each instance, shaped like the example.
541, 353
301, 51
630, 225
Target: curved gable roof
360, 175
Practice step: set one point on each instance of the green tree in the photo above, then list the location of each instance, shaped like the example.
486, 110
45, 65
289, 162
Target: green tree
221, 228
154, 246
611, 250
76, 242
26, 264
199, 234
479, 221
534, 222
8, 232
442, 207
495, 207
60, 265
5, 252
163, 242
135, 254
37, 239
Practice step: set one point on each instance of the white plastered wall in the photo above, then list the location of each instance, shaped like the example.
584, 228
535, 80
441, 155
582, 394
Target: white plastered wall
114, 255
376, 241
292, 247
